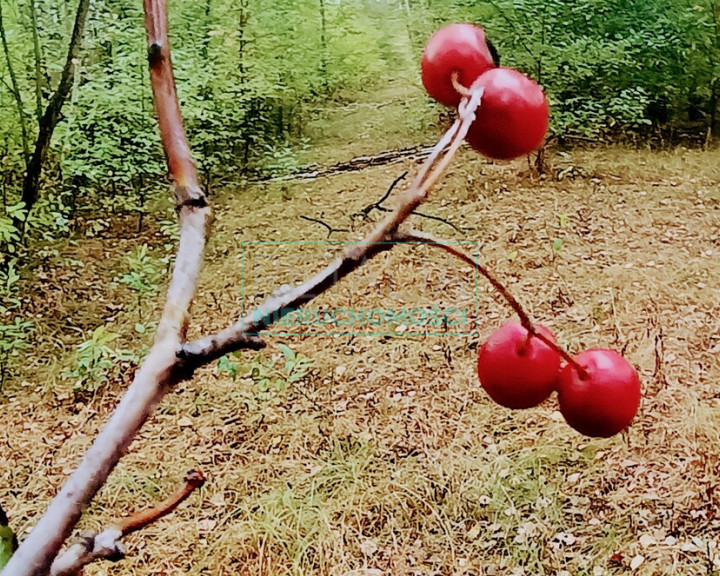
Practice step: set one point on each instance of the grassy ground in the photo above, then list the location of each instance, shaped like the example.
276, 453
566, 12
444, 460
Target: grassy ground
369, 454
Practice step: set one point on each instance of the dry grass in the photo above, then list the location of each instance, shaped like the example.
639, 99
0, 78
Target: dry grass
386, 457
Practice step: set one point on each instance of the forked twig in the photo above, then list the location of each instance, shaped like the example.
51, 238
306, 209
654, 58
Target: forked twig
230, 339
106, 545
324, 224
378, 205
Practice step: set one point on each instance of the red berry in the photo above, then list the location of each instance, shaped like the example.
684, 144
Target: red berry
513, 115
606, 401
460, 48
517, 371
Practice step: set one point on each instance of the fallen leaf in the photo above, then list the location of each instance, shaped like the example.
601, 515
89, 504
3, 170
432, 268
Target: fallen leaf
218, 499
636, 562
646, 540
474, 532
206, 525
368, 547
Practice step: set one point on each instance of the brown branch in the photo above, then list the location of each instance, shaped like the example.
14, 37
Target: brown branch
189, 197
161, 368
167, 108
106, 545
209, 348
193, 480
212, 347
355, 164
168, 361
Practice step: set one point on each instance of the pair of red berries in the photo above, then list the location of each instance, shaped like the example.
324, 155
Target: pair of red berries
519, 370
513, 115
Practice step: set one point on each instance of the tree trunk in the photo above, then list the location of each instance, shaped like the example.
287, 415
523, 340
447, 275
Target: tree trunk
205, 50
51, 117
713, 108
242, 23
714, 84
323, 45
409, 24
38, 61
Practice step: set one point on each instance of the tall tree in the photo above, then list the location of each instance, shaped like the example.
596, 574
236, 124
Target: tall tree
38, 60
323, 43
51, 116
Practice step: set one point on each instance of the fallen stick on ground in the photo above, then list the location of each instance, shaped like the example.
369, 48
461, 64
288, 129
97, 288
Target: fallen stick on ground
355, 164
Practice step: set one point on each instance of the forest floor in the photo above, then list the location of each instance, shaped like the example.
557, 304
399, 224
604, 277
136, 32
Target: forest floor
378, 453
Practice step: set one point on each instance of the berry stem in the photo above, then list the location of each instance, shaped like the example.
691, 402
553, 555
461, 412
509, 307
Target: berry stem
525, 320
462, 90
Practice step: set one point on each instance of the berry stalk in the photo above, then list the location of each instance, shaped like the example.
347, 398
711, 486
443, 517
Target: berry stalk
459, 88
525, 320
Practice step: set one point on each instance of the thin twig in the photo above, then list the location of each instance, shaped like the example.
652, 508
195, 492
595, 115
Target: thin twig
193, 480
378, 206
106, 545
459, 88
329, 228
438, 219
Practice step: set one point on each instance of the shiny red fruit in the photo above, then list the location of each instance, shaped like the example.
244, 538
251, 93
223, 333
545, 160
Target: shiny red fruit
606, 401
515, 371
457, 47
513, 115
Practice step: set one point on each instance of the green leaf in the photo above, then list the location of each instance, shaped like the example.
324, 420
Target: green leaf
8, 540
6, 545
287, 352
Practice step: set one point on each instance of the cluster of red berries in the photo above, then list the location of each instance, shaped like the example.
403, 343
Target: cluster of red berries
599, 393
513, 117
598, 390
